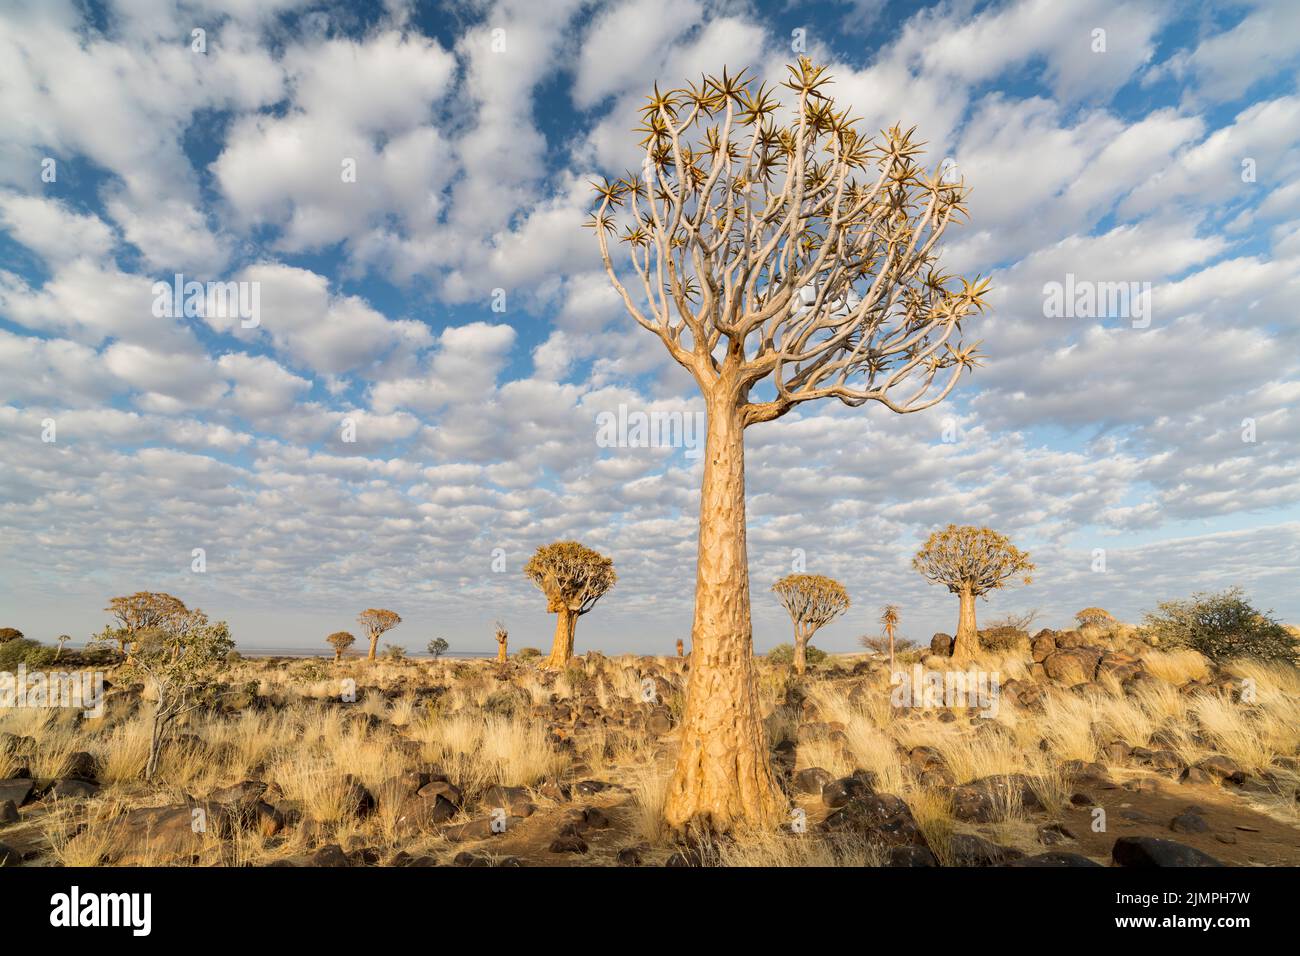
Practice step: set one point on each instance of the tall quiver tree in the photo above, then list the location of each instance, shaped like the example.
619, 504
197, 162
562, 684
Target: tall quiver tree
774, 245
573, 578
970, 562
377, 621
813, 601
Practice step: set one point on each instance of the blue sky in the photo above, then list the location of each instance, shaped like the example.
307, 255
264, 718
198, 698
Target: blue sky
475, 427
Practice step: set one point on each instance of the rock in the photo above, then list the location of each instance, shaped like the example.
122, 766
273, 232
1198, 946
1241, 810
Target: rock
991, 798
1117, 751
330, 855
596, 819
812, 780
1040, 647
1194, 775
568, 843
911, 856
1222, 768
881, 817
17, 789
246, 793
8, 812
419, 813
1071, 666
72, 788
514, 800
590, 788
1150, 851
1189, 822
465, 858
81, 766
1054, 859
1051, 834
9, 856
837, 793
941, 644
967, 849
448, 791
170, 832
480, 829
631, 855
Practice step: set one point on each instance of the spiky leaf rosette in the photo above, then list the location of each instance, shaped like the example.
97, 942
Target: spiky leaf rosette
811, 599
965, 557
572, 576
773, 222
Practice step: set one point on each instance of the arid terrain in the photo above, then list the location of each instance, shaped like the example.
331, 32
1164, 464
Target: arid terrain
1101, 749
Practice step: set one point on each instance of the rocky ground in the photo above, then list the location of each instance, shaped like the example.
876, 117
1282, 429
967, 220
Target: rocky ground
1102, 751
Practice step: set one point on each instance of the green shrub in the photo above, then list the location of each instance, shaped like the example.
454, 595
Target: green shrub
1221, 626
528, 653
21, 650
784, 654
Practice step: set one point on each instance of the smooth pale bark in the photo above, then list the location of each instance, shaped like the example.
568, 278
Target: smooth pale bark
562, 647
501, 651
338, 655
374, 643
966, 644
800, 650
723, 773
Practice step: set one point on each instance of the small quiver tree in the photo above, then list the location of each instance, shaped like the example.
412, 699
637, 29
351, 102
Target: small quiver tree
970, 562
503, 638
812, 602
573, 578
377, 621
340, 641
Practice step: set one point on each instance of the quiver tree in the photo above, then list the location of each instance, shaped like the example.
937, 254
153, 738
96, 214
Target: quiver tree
781, 257
340, 641
889, 621
812, 602
144, 610
377, 621
573, 578
970, 562
681, 648
503, 637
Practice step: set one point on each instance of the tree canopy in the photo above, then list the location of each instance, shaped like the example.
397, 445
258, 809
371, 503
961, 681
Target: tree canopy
573, 577
971, 559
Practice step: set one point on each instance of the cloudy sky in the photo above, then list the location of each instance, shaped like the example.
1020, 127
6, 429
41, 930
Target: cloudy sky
444, 308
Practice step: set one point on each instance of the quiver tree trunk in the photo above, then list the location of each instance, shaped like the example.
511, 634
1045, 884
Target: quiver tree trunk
800, 650
374, 643
562, 648
966, 644
723, 773
501, 651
